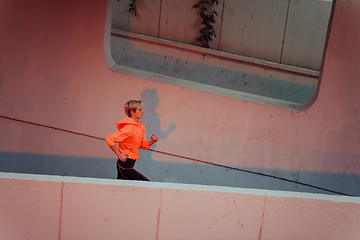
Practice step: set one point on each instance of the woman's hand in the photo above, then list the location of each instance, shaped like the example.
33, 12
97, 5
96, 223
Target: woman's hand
120, 155
123, 156
154, 137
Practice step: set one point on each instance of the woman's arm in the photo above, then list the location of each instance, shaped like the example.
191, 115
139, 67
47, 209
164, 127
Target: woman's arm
118, 136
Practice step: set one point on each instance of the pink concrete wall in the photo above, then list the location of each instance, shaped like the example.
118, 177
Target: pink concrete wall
196, 214
40, 207
302, 218
53, 72
29, 209
93, 211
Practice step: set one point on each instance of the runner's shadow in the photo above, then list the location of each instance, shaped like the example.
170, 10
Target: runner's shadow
151, 119
146, 164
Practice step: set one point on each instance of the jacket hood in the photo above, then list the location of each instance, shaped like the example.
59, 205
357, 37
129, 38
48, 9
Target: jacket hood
120, 124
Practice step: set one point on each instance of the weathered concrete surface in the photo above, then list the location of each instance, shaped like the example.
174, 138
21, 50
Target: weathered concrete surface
53, 73
85, 208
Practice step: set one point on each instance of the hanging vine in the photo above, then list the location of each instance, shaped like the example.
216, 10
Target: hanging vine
132, 6
207, 14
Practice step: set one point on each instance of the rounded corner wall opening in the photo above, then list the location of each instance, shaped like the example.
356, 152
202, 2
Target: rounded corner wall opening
139, 48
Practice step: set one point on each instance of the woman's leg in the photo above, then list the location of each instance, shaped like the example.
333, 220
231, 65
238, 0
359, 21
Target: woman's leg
132, 174
126, 171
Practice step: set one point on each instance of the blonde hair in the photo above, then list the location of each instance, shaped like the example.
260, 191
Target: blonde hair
131, 106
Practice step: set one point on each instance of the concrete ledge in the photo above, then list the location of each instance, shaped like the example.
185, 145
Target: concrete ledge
182, 186
85, 208
226, 55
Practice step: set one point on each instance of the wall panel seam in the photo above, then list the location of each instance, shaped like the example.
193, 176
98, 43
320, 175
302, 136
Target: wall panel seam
286, 22
61, 207
159, 25
159, 213
262, 219
221, 24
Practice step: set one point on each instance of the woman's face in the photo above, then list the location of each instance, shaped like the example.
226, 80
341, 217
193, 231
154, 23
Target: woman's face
138, 114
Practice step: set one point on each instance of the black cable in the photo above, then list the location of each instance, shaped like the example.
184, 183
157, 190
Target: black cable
188, 158
252, 172
55, 128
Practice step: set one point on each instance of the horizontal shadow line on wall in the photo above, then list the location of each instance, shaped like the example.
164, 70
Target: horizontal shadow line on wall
183, 157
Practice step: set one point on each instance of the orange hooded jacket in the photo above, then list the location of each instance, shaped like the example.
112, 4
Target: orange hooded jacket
131, 136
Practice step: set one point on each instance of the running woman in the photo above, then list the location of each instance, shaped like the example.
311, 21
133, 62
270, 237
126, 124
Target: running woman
130, 136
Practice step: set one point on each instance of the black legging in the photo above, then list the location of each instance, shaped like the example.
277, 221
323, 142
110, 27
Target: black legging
126, 170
